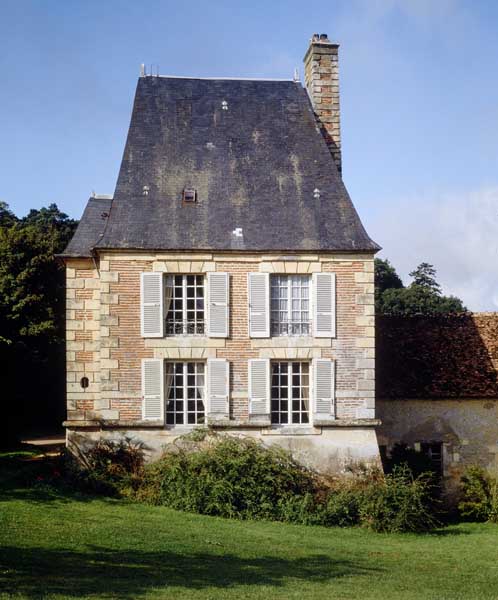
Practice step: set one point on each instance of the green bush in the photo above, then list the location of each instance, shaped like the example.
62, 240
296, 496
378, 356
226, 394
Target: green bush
241, 478
399, 503
231, 477
479, 499
108, 467
237, 477
342, 508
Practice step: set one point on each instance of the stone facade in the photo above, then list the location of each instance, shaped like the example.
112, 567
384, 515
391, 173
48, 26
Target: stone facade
321, 76
437, 383
466, 429
83, 312
108, 314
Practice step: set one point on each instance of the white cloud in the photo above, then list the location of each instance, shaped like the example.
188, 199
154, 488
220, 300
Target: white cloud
457, 232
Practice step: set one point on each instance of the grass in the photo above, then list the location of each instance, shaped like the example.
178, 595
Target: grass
64, 545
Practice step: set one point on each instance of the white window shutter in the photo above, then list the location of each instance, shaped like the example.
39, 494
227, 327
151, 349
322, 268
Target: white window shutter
259, 386
324, 387
153, 389
151, 304
324, 304
259, 305
218, 387
217, 313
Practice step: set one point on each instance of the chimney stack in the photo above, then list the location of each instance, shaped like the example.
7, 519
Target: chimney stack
321, 77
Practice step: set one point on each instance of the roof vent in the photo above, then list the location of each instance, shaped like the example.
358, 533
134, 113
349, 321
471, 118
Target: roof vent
224, 105
189, 195
316, 193
145, 190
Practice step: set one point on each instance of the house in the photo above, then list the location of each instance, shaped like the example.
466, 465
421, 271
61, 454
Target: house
229, 281
437, 390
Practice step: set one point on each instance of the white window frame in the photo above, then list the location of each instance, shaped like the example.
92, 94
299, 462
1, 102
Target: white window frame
290, 321
185, 398
171, 276
289, 386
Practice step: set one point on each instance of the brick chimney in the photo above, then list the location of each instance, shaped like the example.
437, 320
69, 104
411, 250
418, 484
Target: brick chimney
321, 76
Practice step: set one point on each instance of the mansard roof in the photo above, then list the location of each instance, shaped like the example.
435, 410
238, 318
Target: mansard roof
251, 149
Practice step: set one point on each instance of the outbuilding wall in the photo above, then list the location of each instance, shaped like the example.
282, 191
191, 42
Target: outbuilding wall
437, 381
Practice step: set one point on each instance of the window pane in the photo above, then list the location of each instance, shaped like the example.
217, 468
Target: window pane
290, 305
179, 412
296, 387
186, 305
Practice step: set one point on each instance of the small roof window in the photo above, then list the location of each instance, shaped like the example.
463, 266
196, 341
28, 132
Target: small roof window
189, 195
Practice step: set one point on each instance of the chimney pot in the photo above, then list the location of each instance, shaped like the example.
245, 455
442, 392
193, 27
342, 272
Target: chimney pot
323, 36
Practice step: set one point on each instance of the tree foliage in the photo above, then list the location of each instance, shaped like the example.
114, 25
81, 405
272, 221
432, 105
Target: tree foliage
422, 297
424, 276
32, 312
385, 276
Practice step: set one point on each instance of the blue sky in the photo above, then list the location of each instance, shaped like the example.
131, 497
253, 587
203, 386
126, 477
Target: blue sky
419, 97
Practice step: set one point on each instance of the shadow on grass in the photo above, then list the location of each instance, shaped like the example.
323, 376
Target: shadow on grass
36, 479
40, 573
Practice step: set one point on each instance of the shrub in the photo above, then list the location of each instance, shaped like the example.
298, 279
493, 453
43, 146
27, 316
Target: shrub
342, 508
399, 503
241, 478
479, 500
108, 467
231, 477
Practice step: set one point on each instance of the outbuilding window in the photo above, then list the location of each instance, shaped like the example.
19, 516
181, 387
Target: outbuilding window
434, 452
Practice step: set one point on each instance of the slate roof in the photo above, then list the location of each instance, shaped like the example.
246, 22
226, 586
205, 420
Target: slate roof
254, 165
90, 228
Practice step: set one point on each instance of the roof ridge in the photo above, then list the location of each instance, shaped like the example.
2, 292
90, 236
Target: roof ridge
217, 78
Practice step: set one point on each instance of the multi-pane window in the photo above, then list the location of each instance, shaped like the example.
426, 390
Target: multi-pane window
290, 392
434, 452
184, 304
290, 305
184, 387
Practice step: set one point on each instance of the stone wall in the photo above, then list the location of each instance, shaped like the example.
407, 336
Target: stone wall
437, 381
467, 429
82, 338
115, 401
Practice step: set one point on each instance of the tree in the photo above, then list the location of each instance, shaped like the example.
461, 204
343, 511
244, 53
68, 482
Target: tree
424, 276
32, 305
7, 217
386, 276
422, 297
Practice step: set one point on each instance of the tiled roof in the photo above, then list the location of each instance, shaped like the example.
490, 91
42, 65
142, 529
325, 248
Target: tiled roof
90, 228
252, 151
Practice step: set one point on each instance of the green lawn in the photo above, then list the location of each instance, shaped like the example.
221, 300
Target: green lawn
64, 546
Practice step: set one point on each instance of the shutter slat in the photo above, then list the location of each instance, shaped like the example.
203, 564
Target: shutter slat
218, 387
324, 386
259, 386
152, 389
259, 305
324, 304
218, 285
151, 301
